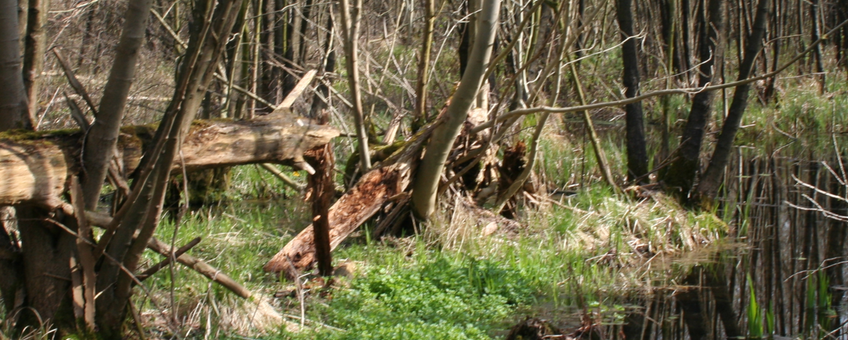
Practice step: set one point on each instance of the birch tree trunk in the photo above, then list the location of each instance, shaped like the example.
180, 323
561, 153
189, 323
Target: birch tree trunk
432, 165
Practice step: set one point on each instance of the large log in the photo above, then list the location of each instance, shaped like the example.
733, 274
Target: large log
34, 167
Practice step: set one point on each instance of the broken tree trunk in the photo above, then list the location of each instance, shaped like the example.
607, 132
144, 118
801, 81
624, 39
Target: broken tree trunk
35, 167
384, 183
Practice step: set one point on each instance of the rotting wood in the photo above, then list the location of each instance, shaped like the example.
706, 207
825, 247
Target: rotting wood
34, 167
356, 206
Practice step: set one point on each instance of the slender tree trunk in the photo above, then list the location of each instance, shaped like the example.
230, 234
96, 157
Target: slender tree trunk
269, 72
432, 165
322, 92
235, 74
83, 65
467, 33
350, 25
420, 114
711, 180
681, 176
637, 155
842, 35
13, 105
777, 31
34, 53
205, 48
815, 32
323, 188
668, 16
103, 135
685, 35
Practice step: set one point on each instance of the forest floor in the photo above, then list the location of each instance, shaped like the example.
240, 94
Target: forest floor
578, 260
573, 260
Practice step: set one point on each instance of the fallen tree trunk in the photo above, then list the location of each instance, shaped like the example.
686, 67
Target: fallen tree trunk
382, 184
35, 167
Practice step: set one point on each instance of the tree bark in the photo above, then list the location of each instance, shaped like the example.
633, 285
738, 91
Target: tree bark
323, 190
34, 53
13, 105
683, 171
637, 155
711, 180
46, 250
10, 281
103, 134
427, 182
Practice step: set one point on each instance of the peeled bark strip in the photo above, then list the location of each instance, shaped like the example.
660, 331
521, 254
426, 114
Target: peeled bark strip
34, 168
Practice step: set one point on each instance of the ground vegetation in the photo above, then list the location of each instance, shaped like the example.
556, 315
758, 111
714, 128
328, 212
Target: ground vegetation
561, 166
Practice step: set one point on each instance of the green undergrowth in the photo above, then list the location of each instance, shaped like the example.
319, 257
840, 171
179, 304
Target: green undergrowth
799, 120
466, 275
430, 295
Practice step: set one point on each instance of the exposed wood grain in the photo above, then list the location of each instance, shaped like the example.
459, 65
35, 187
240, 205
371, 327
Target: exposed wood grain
34, 168
356, 206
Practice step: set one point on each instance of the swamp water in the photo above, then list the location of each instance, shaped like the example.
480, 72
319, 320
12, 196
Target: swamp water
780, 273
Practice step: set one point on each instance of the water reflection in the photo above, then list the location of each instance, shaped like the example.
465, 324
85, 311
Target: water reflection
786, 281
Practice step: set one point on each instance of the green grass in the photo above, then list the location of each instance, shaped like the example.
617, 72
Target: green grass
448, 282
